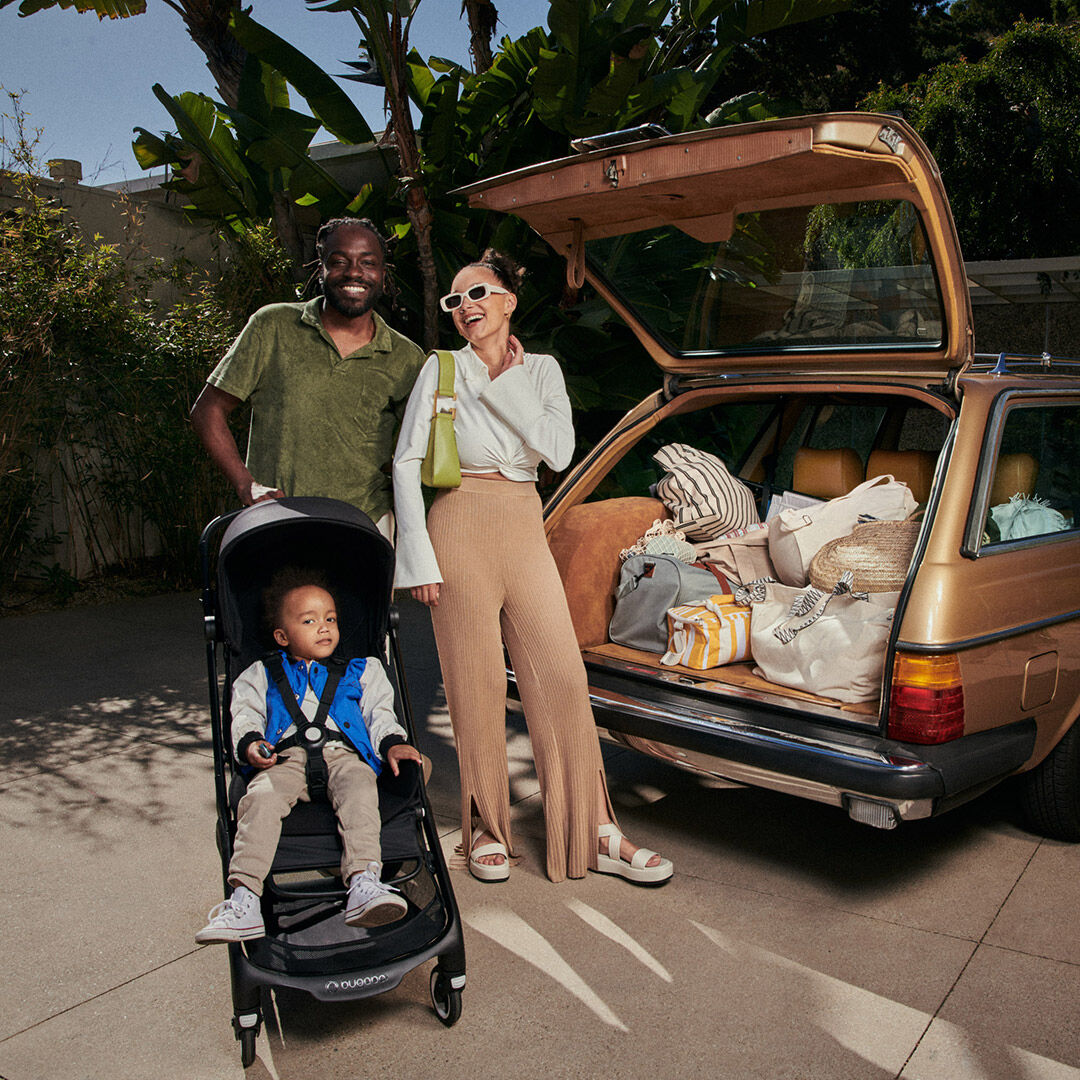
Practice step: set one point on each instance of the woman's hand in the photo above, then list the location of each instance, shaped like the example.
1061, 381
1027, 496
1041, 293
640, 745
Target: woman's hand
515, 354
426, 594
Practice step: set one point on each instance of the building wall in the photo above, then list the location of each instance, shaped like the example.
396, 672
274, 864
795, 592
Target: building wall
142, 224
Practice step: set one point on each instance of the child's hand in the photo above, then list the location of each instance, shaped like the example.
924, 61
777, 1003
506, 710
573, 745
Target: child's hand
401, 752
257, 760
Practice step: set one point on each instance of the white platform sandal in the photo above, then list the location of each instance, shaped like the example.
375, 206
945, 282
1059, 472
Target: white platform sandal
635, 870
485, 871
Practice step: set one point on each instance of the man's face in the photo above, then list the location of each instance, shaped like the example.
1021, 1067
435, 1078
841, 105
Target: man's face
353, 271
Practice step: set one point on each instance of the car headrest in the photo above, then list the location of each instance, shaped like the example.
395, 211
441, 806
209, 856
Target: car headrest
826, 474
913, 467
1014, 473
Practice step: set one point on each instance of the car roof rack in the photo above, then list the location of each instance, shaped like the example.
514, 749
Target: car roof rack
622, 137
1011, 363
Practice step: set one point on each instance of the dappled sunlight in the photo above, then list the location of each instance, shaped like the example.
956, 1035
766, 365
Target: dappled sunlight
881, 1031
948, 1050
514, 934
884, 1032
87, 767
603, 925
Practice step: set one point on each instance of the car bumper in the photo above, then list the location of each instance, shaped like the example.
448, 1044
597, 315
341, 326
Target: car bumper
876, 780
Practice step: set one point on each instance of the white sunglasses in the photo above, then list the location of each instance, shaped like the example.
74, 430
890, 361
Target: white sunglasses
476, 293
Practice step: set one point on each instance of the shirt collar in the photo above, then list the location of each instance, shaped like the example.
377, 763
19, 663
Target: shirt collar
473, 369
381, 342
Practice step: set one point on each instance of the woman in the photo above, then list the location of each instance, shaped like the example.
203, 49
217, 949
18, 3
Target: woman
483, 567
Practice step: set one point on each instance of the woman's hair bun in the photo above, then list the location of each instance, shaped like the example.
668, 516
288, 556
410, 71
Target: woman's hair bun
509, 274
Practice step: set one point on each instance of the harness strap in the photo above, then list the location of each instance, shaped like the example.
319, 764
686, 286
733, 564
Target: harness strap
311, 734
294, 740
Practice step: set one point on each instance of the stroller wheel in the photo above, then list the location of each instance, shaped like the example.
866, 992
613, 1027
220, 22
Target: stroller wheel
247, 1025
444, 998
247, 1046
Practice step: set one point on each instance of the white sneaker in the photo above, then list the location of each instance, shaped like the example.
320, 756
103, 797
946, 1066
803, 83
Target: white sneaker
372, 903
237, 919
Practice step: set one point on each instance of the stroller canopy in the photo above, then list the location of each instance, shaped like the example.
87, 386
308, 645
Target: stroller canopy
328, 537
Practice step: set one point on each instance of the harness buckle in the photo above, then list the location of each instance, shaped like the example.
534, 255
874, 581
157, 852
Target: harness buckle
314, 737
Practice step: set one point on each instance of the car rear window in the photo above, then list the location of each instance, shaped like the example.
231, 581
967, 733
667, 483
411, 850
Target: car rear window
845, 275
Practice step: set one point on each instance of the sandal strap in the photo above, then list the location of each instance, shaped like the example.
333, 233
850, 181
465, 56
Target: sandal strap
611, 833
488, 849
493, 847
641, 857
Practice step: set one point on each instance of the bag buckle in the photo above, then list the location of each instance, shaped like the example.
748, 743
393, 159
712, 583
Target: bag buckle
445, 404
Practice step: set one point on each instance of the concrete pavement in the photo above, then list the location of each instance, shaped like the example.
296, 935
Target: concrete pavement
791, 943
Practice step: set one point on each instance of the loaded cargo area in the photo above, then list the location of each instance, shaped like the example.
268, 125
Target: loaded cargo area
774, 447
586, 544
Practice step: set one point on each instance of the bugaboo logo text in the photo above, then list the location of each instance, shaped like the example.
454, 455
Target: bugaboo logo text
334, 987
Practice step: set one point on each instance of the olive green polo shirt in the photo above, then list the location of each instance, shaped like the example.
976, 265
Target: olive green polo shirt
321, 423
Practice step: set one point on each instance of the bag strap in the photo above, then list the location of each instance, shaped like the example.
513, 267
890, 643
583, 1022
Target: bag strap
810, 605
445, 398
753, 592
721, 578
311, 734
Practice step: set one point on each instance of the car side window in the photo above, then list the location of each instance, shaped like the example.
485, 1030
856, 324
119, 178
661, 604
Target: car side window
1035, 486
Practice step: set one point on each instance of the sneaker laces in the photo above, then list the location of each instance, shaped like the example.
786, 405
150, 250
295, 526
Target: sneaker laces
224, 910
368, 886
231, 906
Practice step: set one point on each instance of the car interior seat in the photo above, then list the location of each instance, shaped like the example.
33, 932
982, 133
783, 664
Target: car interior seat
913, 467
826, 474
1015, 473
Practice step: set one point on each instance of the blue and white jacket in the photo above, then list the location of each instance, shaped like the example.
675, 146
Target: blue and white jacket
362, 709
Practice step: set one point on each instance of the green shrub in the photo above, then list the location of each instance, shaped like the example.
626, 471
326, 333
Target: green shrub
96, 384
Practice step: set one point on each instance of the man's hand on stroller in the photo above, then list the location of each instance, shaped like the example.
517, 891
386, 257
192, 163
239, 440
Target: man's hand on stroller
400, 752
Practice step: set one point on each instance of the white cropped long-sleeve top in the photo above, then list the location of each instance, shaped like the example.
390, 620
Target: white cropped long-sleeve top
506, 425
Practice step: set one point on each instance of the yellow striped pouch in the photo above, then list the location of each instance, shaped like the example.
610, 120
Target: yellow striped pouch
707, 635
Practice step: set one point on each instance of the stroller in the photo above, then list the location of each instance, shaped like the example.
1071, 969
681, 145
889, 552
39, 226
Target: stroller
308, 945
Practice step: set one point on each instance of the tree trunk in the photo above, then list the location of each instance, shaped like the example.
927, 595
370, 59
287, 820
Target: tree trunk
483, 18
207, 23
288, 233
416, 201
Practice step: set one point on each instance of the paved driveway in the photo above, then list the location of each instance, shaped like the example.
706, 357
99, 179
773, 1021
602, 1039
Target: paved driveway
791, 943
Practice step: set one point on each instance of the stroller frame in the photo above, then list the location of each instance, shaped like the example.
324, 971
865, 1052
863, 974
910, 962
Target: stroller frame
345, 972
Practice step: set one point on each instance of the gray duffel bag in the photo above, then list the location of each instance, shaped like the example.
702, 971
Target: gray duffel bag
648, 586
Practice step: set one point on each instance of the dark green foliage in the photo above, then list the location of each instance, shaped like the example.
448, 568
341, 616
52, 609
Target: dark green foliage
1004, 131
838, 60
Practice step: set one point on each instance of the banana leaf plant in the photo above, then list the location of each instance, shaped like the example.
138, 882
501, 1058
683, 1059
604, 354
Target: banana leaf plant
249, 163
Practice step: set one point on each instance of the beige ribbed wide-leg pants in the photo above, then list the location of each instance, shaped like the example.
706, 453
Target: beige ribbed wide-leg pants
500, 583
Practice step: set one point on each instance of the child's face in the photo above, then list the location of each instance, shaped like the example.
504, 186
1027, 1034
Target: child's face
309, 628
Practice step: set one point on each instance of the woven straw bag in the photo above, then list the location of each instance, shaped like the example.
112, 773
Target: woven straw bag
878, 554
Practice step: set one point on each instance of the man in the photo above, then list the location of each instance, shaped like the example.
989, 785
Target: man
327, 381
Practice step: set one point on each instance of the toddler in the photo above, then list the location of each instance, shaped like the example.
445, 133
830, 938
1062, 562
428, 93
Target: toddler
363, 732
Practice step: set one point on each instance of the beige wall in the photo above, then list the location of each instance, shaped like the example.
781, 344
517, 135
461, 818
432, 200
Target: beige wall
142, 224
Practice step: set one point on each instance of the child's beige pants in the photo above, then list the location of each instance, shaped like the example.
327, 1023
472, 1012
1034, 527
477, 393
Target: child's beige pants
272, 793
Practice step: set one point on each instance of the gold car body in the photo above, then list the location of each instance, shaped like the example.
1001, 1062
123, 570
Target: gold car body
1003, 614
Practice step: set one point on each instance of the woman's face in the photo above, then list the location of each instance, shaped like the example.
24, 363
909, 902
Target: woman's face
479, 320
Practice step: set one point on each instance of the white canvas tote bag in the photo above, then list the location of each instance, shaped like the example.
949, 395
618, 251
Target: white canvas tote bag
796, 536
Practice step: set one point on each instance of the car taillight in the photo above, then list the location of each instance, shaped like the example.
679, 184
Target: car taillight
927, 701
